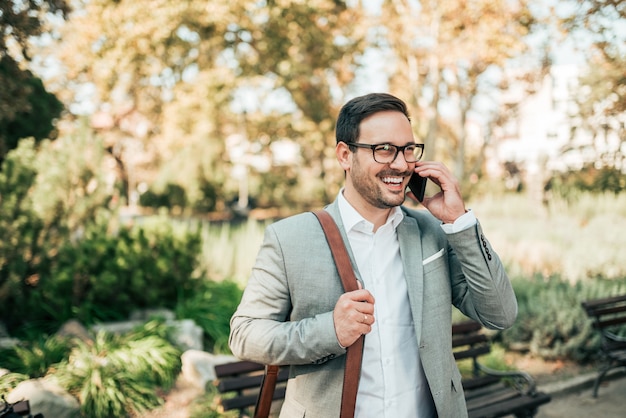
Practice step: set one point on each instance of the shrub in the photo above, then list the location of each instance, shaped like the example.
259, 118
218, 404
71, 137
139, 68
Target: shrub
34, 358
551, 322
212, 307
105, 275
116, 376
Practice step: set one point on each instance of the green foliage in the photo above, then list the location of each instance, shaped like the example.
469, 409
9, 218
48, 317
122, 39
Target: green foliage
25, 107
38, 117
589, 179
551, 321
63, 254
33, 358
104, 276
25, 238
211, 307
116, 376
206, 406
172, 195
10, 381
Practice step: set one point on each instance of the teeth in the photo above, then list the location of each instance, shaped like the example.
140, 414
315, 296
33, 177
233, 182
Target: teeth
396, 180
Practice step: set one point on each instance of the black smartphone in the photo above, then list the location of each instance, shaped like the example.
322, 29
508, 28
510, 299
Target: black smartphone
417, 184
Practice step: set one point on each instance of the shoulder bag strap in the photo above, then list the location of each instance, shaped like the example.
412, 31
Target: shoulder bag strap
266, 395
354, 353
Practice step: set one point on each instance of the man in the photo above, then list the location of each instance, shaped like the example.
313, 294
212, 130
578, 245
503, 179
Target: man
411, 265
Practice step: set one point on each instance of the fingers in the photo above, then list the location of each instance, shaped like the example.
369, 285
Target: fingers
353, 316
448, 204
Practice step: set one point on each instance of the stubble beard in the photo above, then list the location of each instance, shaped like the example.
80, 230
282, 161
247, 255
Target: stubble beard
373, 190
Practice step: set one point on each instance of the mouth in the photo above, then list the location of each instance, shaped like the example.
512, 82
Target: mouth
394, 182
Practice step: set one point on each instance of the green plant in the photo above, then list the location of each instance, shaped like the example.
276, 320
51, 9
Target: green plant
33, 358
106, 274
116, 376
10, 381
551, 321
206, 406
211, 307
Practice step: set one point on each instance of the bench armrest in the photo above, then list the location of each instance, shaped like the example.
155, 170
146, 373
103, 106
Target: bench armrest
522, 381
613, 337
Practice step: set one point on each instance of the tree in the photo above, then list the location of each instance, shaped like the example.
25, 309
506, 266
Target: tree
180, 74
444, 56
601, 98
26, 109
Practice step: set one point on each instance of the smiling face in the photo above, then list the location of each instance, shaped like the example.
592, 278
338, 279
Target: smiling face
372, 187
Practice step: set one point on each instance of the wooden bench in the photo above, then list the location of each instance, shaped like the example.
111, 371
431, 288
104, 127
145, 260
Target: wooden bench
17, 409
488, 393
609, 315
240, 382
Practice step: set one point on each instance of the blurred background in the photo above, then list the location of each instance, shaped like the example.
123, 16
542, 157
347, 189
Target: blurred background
145, 144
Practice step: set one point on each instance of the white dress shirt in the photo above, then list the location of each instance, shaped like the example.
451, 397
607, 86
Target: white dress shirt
392, 383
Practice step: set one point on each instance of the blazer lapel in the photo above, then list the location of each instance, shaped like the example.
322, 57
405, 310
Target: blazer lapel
410, 252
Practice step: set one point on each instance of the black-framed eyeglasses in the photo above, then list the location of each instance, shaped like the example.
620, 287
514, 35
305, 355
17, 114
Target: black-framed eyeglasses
387, 153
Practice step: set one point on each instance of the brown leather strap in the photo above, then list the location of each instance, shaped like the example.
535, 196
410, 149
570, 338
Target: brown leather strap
354, 353
264, 400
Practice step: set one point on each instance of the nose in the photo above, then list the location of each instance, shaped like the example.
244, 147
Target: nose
399, 163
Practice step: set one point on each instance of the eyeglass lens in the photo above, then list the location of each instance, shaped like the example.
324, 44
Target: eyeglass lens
387, 153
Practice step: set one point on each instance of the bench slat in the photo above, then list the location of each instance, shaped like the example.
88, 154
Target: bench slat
511, 406
239, 367
248, 400
247, 382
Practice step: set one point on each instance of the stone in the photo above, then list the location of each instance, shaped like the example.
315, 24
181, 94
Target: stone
198, 367
45, 397
74, 329
186, 334
148, 314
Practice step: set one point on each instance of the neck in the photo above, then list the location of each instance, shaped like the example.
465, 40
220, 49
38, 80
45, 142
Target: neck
377, 216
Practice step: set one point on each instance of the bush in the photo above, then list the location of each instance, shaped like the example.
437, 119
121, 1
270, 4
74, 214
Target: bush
212, 307
105, 275
551, 321
116, 376
34, 358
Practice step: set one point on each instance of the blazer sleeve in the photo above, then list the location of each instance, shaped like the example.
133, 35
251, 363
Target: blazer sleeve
481, 288
266, 326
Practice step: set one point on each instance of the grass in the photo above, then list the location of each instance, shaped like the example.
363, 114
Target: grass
576, 239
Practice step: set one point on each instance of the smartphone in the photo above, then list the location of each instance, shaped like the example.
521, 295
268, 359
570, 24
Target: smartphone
417, 184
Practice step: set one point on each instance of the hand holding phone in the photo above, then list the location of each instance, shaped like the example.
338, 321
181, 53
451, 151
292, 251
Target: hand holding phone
417, 184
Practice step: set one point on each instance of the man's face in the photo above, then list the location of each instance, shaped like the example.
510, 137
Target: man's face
370, 184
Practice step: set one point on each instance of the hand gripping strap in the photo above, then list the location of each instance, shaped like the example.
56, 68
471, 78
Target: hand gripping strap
354, 353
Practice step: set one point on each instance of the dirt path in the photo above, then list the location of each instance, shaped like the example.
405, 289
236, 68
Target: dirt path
177, 401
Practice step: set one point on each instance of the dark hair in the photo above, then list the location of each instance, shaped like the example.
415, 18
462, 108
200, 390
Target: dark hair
359, 108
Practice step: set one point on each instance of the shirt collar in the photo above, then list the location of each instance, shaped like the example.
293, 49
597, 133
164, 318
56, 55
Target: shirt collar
350, 217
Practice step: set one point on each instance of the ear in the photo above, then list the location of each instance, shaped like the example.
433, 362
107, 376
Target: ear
344, 155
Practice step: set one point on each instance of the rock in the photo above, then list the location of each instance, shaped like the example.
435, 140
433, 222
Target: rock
46, 397
148, 314
198, 367
73, 328
186, 334
8, 342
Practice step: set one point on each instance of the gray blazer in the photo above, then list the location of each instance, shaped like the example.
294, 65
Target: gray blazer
286, 312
